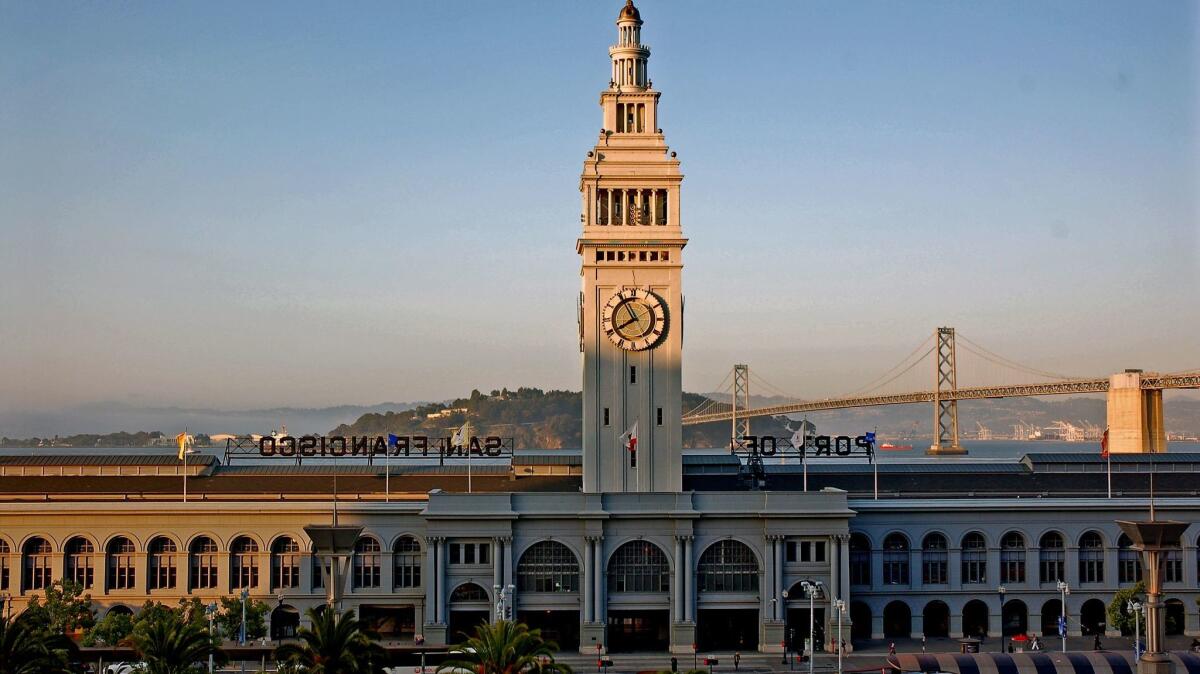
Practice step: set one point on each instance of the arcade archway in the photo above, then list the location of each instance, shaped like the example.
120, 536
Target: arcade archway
897, 620
1092, 618
975, 619
1051, 611
860, 618
285, 620
937, 619
469, 607
1014, 618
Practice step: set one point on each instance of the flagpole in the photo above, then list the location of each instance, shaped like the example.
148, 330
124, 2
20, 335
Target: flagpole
467, 440
184, 452
387, 475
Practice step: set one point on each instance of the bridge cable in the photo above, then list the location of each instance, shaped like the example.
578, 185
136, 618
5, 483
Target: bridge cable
875, 384
1001, 360
707, 402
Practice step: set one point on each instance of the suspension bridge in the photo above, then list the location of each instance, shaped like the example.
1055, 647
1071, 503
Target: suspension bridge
1135, 418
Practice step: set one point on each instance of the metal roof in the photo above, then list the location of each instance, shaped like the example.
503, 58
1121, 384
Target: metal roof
104, 460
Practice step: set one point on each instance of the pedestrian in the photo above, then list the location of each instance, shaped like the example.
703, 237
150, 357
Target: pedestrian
843, 646
674, 664
892, 648
1096, 644
1036, 645
737, 660
923, 642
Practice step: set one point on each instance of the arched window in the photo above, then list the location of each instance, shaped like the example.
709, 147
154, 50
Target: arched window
727, 566
162, 563
895, 559
285, 563
548, 566
638, 566
1051, 558
1129, 564
367, 562
5, 551
1173, 565
406, 562
1091, 558
1012, 558
121, 572
37, 563
244, 563
934, 560
974, 558
79, 564
860, 560
468, 592
203, 563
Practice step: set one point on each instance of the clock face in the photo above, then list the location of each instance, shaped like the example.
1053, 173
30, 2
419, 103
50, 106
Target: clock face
635, 319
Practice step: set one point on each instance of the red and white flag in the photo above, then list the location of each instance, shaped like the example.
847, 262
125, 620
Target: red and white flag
630, 438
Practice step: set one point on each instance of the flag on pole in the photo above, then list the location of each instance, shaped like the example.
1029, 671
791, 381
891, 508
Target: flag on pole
1104, 444
185, 443
461, 436
630, 438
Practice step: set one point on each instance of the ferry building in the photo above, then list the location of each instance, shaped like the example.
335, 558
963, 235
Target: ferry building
630, 543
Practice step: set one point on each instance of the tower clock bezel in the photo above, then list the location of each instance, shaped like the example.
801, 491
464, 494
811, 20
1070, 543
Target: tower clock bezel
647, 337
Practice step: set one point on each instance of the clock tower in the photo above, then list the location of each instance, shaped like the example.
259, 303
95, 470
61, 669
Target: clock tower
631, 305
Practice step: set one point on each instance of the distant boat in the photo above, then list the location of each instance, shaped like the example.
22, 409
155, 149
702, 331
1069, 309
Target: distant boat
889, 447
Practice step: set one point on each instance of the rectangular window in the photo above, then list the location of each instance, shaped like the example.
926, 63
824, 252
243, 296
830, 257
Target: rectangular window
933, 567
1173, 566
666, 256
789, 553
455, 554
632, 374
605, 416
484, 548
806, 551
659, 416
468, 554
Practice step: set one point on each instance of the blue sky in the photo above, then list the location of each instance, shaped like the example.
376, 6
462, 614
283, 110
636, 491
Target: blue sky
247, 205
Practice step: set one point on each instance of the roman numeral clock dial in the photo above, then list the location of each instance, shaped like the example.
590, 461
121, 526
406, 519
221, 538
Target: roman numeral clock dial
635, 319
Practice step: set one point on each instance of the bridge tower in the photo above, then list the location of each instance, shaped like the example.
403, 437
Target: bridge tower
741, 401
1135, 415
945, 411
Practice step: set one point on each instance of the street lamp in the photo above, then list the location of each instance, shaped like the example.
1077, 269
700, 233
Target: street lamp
1001, 590
1063, 590
783, 612
242, 632
1136, 609
211, 612
840, 605
812, 588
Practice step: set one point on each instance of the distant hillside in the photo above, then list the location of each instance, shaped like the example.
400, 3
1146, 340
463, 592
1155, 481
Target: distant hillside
552, 419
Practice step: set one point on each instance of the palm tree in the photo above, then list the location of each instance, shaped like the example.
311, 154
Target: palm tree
505, 647
169, 645
337, 643
25, 649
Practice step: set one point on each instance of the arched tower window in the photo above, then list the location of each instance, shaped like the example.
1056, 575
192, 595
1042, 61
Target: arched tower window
244, 563
468, 592
37, 564
368, 562
122, 574
727, 566
1091, 558
1012, 558
1129, 563
860, 560
202, 560
285, 563
638, 566
974, 558
406, 562
1051, 558
934, 559
548, 566
79, 565
5, 551
162, 563
895, 559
